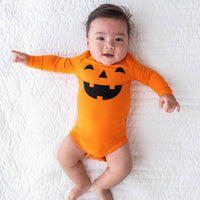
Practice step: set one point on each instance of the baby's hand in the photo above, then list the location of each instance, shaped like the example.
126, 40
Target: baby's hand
20, 57
170, 103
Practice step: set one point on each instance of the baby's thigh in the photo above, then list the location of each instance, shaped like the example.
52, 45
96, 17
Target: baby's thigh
69, 152
120, 161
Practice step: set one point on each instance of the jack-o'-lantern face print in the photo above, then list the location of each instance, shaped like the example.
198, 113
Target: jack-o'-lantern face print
103, 91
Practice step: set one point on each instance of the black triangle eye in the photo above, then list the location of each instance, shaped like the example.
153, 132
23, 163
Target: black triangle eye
89, 67
119, 69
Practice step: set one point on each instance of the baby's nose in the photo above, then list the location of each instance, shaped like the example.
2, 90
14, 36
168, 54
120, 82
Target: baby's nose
109, 45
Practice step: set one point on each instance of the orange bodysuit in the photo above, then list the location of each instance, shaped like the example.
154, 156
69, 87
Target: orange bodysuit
103, 98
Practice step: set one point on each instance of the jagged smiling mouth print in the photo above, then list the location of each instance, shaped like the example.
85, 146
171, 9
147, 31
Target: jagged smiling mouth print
102, 91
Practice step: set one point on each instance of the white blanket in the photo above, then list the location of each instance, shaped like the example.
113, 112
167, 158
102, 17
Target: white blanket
38, 108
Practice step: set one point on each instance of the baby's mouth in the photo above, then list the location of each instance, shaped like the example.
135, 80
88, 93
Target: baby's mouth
107, 55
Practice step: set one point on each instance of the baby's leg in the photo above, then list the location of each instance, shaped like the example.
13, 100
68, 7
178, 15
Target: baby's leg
119, 166
69, 156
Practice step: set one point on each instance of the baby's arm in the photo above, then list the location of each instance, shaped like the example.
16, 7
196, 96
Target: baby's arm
39, 62
47, 62
20, 57
152, 79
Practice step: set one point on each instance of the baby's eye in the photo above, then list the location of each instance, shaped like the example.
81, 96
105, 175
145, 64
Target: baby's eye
119, 39
100, 38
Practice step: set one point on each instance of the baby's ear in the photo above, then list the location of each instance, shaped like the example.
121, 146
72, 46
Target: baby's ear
88, 44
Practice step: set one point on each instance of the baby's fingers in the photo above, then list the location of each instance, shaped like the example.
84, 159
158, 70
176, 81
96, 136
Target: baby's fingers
20, 57
168, 107
13, 51
17, 59
171, 107
161, 103
178, 106
17, 53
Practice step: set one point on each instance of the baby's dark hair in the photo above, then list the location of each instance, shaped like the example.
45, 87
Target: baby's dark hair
111, 11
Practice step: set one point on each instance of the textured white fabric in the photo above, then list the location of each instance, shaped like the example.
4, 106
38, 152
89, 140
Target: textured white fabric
37, 108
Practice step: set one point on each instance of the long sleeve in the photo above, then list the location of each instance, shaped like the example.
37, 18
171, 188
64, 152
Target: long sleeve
150, 78
51, 63
147, 76
55, 63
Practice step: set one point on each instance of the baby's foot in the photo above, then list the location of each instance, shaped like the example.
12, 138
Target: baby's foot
78, 191
103, 194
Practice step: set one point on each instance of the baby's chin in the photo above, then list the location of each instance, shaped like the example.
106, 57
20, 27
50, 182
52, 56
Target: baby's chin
108, 61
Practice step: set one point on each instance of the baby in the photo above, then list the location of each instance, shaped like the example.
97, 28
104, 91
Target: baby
104, 73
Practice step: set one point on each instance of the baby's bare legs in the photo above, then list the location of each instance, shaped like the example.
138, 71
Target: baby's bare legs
119, 166
69, 157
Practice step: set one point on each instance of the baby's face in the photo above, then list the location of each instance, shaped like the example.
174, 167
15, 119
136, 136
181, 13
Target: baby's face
108, 40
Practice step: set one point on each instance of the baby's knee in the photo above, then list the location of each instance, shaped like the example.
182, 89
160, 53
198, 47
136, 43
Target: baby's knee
122, 169
127, 167
60, 157
64, 160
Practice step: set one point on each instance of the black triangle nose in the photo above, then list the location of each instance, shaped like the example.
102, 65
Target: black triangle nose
103, 75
